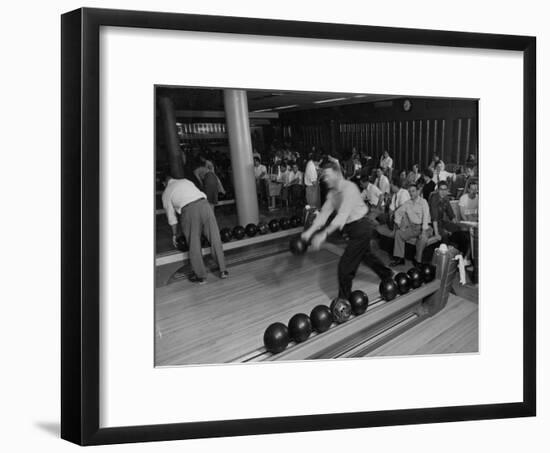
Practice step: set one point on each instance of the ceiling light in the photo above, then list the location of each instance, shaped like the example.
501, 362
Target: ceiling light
262, 110
286, 107
329, 100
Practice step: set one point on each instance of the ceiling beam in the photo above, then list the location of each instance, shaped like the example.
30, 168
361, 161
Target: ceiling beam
220, 114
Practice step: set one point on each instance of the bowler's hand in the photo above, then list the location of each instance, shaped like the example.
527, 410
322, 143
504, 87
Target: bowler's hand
318, 240
175, 241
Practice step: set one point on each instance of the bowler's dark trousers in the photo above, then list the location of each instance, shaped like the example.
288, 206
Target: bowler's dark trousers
358, 249
198, 218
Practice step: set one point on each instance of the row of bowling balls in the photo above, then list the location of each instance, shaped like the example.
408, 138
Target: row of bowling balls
403, 282
251, 230
277, 336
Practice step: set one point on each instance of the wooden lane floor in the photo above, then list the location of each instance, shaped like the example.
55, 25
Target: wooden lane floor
224, 319
453, 330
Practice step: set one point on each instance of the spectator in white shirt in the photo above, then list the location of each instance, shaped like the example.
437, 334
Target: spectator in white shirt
468, 203
441, 175
295, 184
435, 161
373, 197
382, 181
311, 182
197, 217
386, 163
399, 194
260, 173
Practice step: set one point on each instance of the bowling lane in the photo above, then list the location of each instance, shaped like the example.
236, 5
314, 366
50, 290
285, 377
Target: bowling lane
224, 319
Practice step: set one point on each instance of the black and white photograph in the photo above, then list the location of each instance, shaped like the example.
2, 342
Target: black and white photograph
296, 225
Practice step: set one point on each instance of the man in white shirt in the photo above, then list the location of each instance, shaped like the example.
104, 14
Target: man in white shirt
399, 194
373, 198
295, 184
468, 203
311, 182
382, 181
386, 163
412, 220
343, 197
260, 173
441, 175
197, 217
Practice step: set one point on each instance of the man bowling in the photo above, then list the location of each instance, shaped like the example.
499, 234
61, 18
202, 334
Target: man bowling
344, 198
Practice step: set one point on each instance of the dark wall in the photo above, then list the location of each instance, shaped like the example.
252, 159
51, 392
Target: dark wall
447, 127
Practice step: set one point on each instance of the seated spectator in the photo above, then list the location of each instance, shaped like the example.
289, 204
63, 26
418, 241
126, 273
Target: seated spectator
382, 181
373, 198
399, 194
414, 175
428, 185
444, 221
468, 203
435, 161
440, 174
348, 167
412, 220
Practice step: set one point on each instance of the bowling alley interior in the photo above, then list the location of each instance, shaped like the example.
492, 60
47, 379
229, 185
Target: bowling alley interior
242, 175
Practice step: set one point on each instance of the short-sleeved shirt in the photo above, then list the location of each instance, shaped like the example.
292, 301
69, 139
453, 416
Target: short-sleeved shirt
398, 198
469, 205
440, 208
417, 211
383, 183
371, 194
259, 171
310, 176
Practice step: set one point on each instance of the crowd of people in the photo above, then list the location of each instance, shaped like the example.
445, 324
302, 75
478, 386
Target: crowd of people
404, 204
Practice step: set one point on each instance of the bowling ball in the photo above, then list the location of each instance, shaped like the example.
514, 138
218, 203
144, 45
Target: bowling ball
276, 337
182, 243
284, 222
299, 327
293, 222
298, 220
415, 276
238, 232
403, 282
321, 318
359, 302
388, 289
225, 234
263, 228
274, 225
251, 230
341, 310
428, 272
298, 246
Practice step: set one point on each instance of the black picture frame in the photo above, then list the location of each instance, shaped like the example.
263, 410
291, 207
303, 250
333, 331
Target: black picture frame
80, 264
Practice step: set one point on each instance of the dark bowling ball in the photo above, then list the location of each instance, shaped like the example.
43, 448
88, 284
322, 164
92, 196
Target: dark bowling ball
182, 243
388, 289
341, 310
403, 282
293, 222
321, 318
263, 228
359, 302
298, 246
285, 223
274, 225
428, 272
415, 276
298, 220
299, 327
238, 232
225, 234
251, 230
276, 337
